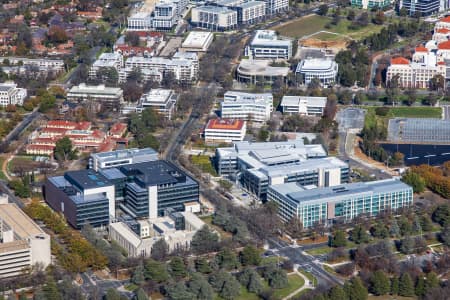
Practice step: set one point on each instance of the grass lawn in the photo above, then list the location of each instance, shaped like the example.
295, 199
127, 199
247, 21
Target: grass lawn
303, 26
329, 269
320, 251
131, 287
416, 112
325, 36
271, 260
2, 175
310, 277
204, 163
295, 282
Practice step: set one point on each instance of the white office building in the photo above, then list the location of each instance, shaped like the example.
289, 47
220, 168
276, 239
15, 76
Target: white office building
247, 106
323, 69
106, 60
198, 41
165, 16
140, 21
254, 71
161, 100
112, 159
109, 96
303, 105
214, 17
43, 65
147, 74
23, 243
250, 12
11, 94
276, 6
224, 131
265, 44
139, 242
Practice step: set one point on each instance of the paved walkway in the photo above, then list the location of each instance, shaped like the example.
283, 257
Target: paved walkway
307, 285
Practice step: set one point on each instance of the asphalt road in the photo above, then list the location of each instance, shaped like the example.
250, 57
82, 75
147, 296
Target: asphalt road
93, 285
12, 198
18, 129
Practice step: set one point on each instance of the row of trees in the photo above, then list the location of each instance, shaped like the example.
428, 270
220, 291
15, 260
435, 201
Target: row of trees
431, 177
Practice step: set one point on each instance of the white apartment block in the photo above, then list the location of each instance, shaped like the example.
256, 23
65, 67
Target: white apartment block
443, 23
161, 100
303, 105
325, 70
183, 69
23, 243
251, 12
276, 6
147, 74
140, 21
224, 131
43, 64
214, 17
417, 73
247, 106
11, 94
109, 96
106, 60
265, 44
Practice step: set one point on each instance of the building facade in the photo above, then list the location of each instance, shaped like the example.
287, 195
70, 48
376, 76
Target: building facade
106, 60
139, 22
214, 17
276, 6
343, 202
260, 72
113, 159
165, 16
265, 44
303, 105
11, 94
250, 12
161, 100
108, 96
421, 7
323, 69
247, 106
369, 4
224, 131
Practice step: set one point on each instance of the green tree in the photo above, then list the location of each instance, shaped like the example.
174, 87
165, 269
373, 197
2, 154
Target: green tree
432, 281
51, 290
394, 229
140, 295
420, 289
202, 266
225, 284
405, 286
200, 287
250, 256
294, 227
355, 289
445, 235
323, 10
138, 275
359, 235
254, 284
379, 283
337, 293
407, 245
441, 214
379, 230
178, 291
278, 279
227, 259
339, 239
204, 241
415, 181
177, 268
64, 149
160, 250
155, 271
416, 226
394, 285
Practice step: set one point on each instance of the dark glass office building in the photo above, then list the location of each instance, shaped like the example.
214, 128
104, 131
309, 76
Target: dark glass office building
421, 7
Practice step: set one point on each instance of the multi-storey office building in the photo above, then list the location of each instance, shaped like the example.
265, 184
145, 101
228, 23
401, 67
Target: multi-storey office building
265, 44
23, 243
421, 7
369, 4
276, 6
142, 190
161, 100
108, 96
342, 202
323, 69
112, 159
224, 131
11, 94
253, 71
303, 105
214, 17
165, 16
140, 21
246, 155
320, 172
197, 41
106, 60
247, 106
250, 12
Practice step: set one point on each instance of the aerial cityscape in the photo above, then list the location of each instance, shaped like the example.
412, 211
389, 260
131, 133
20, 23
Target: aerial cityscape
225, 149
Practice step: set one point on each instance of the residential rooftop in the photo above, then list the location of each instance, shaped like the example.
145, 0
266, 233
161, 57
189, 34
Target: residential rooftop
225, 124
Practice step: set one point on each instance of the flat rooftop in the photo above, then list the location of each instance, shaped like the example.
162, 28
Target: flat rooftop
268, 38
94, 89
126, 153
309, 101
87, 179
261, 68
197, 39
339, 192
20, 223
315, 64
225, 124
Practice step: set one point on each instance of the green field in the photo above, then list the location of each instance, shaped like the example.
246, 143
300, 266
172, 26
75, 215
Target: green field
314, 23
204, 163
320, 251
416, 112
2, 175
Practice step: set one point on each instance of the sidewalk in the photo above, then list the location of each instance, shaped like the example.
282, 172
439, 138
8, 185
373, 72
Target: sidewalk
307, 285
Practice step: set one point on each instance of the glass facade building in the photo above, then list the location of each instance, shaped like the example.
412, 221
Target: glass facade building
342, 202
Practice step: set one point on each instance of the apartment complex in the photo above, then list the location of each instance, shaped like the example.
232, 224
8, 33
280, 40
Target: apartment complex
266, 44
326, 70
276, 6
108, 96
303, 105
113, 159
140, 190
250, 12
343, 202
43, 65
138, 237
369, 4
247, 106
106, 60
224, 131
214, 17
140, 21
23, 243
11, 94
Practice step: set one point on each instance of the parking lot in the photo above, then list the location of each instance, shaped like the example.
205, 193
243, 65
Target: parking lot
350, 118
